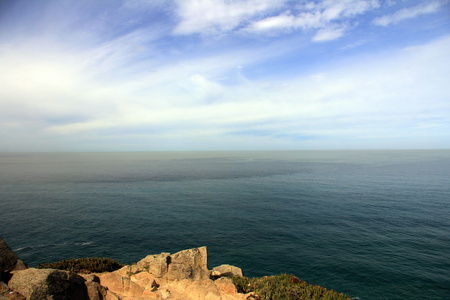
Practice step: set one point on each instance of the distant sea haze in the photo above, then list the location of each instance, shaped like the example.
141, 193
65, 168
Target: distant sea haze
372, 224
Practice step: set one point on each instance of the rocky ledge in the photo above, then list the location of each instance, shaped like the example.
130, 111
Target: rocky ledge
183, 275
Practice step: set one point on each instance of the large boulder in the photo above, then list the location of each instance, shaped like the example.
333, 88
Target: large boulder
154, 264
127, 283
188, 264
48, 284
9, 261
226, 271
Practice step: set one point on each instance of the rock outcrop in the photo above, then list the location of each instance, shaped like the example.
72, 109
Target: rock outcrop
180, 276
48, 284
226, 271
9, 261
183, 275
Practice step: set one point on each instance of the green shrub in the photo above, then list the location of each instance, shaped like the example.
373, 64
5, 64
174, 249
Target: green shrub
84, 265
284, 287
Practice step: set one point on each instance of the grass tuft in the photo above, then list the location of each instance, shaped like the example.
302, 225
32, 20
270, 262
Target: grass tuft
84, 265
284, 287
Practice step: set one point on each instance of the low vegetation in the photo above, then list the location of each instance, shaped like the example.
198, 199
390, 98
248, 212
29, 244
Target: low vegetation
284, 287
84, 265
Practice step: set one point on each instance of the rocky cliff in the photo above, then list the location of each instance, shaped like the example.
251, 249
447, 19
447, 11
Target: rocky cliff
183, 275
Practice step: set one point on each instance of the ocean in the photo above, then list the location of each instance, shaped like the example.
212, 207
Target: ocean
372, 224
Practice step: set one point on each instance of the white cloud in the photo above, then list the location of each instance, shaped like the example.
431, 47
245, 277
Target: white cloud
408, 13
328, 34
328, 17
61, 92
334, 10
264, 16
202, 88
204, 16
362, 100
273, 23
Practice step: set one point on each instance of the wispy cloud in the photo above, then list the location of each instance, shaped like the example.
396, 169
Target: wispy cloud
269, 17
160, 80
328, 34
280, 22
408, 13
212, 17
329, 18
340, 103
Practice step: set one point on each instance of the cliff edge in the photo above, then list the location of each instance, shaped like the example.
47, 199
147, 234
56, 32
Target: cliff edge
183, 275
180, 276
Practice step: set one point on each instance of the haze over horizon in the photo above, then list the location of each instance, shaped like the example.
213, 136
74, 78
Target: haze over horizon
224, 75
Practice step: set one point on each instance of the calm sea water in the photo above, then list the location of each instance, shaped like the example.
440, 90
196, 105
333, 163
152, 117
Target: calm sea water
373, 224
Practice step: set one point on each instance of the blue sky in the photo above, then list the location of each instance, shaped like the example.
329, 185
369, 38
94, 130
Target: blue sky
224, 75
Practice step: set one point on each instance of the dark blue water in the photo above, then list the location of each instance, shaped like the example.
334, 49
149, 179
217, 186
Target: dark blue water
373, 224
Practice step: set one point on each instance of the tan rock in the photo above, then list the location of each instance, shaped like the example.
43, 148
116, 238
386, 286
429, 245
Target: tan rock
188, 264
226, 270
143, 278
204, 289
48, 284
95, 290
9, 261
166, 294
155, 264
113, 281
150, 294
111, 296
180, 276
7, 294
90, 277
189, 289
124, 284
124, 271
132, 288
226, 286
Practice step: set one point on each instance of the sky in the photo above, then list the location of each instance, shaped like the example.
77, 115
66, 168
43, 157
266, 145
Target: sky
207, 75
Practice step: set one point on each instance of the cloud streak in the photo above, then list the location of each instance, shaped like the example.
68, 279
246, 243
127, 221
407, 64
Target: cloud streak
408, 13
262, 81
269, 17
209, 17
